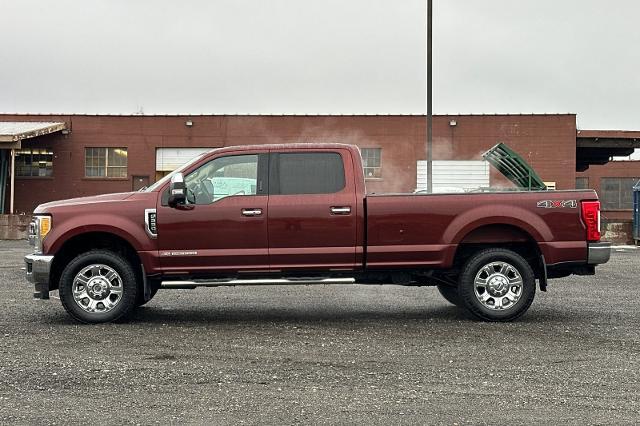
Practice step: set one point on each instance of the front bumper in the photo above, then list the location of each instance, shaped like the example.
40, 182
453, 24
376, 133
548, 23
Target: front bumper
38, 269
599, 253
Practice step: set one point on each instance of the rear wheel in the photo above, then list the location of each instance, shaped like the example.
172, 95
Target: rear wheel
450, 293
497, 285
98, 286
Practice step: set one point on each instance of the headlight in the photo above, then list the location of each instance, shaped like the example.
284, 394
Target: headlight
45, 226
38, 229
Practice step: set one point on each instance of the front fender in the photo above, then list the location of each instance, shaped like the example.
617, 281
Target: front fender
128, 230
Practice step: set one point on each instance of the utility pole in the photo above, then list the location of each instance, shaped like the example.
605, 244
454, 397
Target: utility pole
429, 97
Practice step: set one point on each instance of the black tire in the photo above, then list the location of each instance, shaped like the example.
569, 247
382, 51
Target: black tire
126, 282
450, 293
508, 306
155, 286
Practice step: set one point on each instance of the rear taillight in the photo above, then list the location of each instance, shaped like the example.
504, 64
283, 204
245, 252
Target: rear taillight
591, 218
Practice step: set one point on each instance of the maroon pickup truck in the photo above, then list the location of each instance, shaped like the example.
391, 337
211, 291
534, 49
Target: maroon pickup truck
299, 214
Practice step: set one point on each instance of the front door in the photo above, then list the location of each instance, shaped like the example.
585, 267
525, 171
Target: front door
312, 211
224, 225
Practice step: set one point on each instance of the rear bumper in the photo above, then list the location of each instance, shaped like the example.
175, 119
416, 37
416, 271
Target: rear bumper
38, 269
599, 253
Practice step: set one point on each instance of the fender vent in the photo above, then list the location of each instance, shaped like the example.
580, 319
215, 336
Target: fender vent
151, 222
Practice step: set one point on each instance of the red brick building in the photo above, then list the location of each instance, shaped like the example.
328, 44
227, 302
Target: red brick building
99, 154
612, 180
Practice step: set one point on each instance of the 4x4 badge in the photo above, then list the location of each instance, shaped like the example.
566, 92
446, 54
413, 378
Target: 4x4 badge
558, 204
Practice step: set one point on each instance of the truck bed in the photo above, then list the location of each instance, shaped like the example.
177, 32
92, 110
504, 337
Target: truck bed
405, 230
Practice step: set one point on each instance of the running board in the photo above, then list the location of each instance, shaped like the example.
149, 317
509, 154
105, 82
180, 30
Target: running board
279, 281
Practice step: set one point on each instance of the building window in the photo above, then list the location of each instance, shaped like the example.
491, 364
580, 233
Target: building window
617, 193
34, 163
582, 183
371, 160
105, 162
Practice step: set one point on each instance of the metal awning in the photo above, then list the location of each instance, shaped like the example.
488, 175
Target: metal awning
12, 133
599, 146
15, 131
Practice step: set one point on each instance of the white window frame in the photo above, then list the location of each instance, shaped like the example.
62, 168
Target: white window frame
371, 172
106, 167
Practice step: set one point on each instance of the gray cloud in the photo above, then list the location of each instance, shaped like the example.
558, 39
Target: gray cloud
506, 56
329, 56
233, 56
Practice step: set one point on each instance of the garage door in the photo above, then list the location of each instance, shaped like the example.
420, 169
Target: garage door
454, 176
169, 159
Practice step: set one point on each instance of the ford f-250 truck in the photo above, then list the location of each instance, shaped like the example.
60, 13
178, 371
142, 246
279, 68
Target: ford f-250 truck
299, 214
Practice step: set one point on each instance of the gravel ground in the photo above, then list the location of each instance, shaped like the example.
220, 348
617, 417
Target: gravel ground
329, 354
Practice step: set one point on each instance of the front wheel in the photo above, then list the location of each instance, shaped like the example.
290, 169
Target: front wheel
497, 285
98, 286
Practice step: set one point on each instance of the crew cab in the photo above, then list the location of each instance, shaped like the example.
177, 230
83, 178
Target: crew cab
300, 214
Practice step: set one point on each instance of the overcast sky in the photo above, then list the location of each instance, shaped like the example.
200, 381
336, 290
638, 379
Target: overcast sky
322, 56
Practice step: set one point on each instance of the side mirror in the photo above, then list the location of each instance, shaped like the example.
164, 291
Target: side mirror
177, 191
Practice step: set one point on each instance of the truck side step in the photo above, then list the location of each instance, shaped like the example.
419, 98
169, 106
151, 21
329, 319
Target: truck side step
278, 281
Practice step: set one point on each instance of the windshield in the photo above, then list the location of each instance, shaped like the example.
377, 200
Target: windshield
180, 169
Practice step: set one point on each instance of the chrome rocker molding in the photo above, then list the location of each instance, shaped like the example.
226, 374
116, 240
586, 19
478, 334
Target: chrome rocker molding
220, 283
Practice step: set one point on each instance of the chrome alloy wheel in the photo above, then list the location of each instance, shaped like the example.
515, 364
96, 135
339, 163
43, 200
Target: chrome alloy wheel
97, 288
498, 286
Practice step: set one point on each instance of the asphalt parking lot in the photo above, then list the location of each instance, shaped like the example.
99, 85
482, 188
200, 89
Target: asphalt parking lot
330, 354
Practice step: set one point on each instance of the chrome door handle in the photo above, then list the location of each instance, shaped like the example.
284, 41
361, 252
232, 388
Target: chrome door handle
341, 210
251, 212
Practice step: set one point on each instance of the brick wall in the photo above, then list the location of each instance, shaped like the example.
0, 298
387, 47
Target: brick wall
595, 174
546, 141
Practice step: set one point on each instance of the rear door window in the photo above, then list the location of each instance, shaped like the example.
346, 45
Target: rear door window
306, 173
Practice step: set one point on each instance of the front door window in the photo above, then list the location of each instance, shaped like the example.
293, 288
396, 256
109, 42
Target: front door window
223, 177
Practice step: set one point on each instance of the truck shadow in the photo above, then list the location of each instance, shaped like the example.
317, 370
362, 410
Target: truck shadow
297, 314
300, 314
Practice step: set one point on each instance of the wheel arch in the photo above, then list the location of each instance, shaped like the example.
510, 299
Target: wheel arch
497, 233
496, 214
83, 242
502, 235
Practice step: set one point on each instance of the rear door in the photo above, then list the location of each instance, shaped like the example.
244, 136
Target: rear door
312, 210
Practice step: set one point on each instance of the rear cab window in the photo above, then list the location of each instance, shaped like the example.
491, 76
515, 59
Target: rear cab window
306, 173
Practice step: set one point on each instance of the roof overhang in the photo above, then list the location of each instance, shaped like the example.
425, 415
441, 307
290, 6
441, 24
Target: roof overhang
15, 131
599, 146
